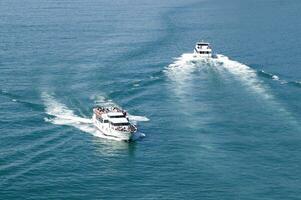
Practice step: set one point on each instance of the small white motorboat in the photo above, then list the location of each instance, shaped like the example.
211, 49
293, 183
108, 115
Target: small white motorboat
203, 49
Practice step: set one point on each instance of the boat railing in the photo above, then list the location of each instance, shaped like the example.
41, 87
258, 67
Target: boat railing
98, 112
130, 128
102, 110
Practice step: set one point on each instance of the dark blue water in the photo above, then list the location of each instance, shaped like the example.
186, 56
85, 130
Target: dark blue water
227, 128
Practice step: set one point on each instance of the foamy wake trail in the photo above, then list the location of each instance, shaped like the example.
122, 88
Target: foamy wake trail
182, 66
102, 101
138, 118
278, 79
185, 64
62, 115
247, 75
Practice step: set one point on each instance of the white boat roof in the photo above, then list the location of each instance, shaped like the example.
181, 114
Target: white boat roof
115, 114
105, 116
119, 120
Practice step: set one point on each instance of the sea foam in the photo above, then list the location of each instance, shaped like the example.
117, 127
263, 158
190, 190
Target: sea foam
180, 70
186, 63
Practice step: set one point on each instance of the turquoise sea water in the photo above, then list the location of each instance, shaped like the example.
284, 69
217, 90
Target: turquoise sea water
221, 129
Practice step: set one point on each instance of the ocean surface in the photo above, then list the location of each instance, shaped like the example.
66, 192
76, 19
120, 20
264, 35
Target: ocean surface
225, 128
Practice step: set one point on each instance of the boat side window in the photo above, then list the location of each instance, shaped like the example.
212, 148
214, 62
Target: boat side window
119, 116
120, 124
105, 121
123, 124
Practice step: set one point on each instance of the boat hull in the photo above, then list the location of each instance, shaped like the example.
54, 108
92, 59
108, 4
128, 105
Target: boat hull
106, 130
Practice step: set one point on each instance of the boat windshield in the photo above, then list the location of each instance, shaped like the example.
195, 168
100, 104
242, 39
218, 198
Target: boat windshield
203, 45
118, 116
120, 124
204, 52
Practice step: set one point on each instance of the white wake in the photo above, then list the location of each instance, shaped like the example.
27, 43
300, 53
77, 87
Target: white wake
246, 74
180, 71
187, 63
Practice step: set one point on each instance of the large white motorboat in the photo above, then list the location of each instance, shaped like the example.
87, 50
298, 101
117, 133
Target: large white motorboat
113, 122
203, 49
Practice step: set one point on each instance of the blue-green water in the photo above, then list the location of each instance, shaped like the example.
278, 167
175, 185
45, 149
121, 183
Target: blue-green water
218, 129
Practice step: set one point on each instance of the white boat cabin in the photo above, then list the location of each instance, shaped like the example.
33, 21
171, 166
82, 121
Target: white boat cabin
203, 49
